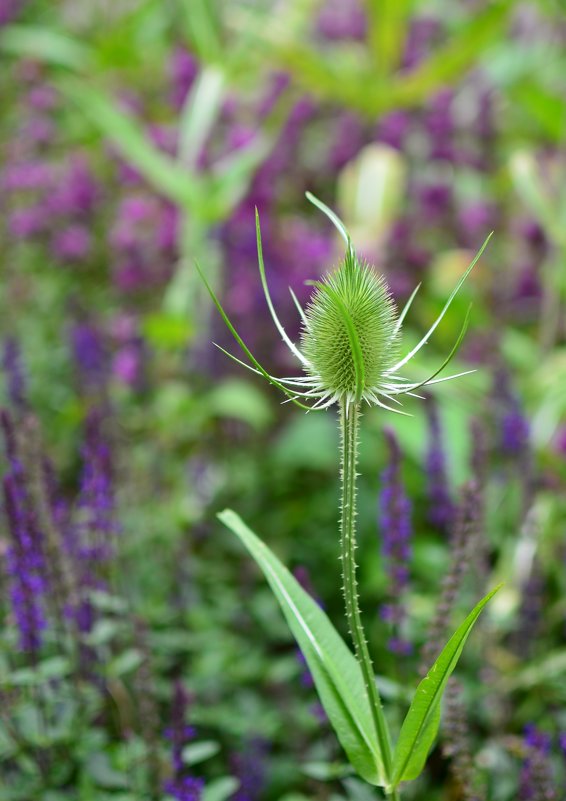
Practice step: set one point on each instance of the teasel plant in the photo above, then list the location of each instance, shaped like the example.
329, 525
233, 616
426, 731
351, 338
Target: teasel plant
350, 355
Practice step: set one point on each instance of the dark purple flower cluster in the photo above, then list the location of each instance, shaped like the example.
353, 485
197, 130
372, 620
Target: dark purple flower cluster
130, 359
94, 528
249, 767
183, 69
25, 558
441, 506
14, 373
49, 201
90, 357
342, 19
536, 781
181, 786
9, 10
512, 425
396, 533
143, 240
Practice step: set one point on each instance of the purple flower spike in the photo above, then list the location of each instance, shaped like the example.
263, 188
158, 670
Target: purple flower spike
89, 355
25, 560
249, 767
396, 534
185, 789
536, 779
342, 19
180, 786
183, 70
14, 372
441, 513
72, 244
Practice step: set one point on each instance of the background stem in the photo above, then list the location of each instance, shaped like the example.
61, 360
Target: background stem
349, 429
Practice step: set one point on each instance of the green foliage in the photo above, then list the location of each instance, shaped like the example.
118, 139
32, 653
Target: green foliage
420, 726
335, 671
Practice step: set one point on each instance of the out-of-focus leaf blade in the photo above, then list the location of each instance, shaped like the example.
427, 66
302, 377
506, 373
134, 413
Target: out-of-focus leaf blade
179, 186
387, 22
450, 61
336, 673
47, 45
220, 789
203, 28
199, 114
421, 722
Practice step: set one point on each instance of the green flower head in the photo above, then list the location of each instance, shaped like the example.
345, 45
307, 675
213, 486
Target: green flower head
351, 336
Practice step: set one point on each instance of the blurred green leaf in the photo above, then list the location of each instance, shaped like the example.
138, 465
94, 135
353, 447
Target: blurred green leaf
220, 789
55, 668
326, 771
47, 45
102, 772
548, 109
308, 441
199, 114
202, 23
178, 185
200, 751
127, 662
387, 23
240, 400
450, 61
167, 330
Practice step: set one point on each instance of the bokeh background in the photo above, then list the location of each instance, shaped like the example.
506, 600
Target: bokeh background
141, 653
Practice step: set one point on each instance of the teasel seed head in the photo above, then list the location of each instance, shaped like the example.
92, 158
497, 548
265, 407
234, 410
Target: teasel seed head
350, 327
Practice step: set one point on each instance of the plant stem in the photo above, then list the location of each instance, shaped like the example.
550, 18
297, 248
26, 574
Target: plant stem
349, 428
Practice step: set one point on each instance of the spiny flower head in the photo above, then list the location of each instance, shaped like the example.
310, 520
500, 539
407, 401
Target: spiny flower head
354, 290
350, 340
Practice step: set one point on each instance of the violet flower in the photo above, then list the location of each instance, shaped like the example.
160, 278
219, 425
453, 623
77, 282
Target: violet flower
536, 781
181, 786
396, 534
441, 507
25, 560
14, 373
342, 19
89, 355
93, 533
249, 767
513, 427
183, 70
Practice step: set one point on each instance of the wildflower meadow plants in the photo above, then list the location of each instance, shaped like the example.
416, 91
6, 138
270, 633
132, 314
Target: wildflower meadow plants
350, 355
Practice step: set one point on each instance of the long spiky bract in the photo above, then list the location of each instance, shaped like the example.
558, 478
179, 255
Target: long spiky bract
349, 346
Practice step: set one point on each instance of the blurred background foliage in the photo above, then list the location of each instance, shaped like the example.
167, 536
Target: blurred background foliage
137, 137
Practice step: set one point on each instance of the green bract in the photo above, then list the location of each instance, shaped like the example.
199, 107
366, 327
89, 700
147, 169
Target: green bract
351, 336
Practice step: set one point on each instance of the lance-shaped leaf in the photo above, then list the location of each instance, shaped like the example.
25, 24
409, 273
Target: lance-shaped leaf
420, 726
124, 131
336, 673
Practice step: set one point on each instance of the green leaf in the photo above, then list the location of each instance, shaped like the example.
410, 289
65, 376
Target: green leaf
336, 673
220, 789
388, 22
47, 45
165, 175
450, 61
421, 722
240, 400
200, 752
200, 113
203, 28
126, 662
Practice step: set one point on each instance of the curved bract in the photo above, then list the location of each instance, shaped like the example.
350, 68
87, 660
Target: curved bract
350, 343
